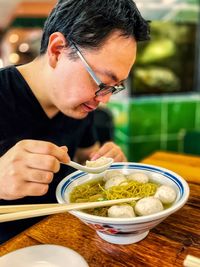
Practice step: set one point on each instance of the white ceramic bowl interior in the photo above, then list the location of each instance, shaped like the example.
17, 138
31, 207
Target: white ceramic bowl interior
125, 230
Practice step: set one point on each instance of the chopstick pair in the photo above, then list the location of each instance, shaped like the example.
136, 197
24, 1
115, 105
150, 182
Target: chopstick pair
17, 212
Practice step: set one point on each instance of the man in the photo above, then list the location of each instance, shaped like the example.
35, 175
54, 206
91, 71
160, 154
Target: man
87, 51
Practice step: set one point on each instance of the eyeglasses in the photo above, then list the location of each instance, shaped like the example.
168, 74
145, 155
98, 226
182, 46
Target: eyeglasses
104, 89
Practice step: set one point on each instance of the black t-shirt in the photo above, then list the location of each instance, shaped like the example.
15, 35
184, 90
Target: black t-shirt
22, 117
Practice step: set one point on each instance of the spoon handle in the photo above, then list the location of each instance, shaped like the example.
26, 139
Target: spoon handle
76, 165
87, 169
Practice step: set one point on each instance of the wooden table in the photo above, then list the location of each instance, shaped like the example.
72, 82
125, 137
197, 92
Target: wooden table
166, 245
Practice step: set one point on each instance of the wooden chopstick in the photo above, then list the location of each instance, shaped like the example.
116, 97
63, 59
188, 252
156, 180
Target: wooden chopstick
29, 211
17, 208
191, 261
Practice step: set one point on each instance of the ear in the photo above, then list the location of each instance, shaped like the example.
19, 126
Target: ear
57, 42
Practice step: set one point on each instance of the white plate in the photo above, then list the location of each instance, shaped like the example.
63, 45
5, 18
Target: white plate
43, 256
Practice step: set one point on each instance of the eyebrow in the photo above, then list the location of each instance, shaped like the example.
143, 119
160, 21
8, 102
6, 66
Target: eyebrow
110, 74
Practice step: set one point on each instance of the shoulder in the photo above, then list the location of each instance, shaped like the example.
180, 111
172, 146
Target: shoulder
7, 71
7, 75
8, 84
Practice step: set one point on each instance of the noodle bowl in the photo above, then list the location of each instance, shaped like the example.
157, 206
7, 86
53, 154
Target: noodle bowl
122, 230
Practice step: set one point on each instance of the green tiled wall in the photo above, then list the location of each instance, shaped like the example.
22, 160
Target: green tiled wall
147, 112
146, 124
180, 114
121, 120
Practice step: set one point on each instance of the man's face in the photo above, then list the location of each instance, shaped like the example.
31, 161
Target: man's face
72, 89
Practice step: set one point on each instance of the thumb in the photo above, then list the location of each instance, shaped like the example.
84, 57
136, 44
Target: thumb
64, 148
94, 156
66, 156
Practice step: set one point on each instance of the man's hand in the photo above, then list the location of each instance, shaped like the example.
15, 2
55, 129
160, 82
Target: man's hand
28, 168
110, 150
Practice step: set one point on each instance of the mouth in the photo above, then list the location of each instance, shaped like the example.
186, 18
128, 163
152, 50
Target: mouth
88, 108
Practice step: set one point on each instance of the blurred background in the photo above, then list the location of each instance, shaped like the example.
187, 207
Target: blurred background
160, 110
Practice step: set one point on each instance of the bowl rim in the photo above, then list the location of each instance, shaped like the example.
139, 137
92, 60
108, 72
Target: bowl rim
135, 220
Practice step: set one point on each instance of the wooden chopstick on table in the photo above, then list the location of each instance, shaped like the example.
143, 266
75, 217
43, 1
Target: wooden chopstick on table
17, 212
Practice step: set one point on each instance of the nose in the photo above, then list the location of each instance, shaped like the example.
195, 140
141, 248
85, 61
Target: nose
103, 98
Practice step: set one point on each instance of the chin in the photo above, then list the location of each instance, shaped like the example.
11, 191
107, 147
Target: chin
75, 114
80, 116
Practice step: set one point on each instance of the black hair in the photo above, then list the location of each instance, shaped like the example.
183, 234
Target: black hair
88, 23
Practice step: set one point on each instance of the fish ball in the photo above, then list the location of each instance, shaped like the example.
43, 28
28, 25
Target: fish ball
111, 174
98, 163
118, 180
166, 194
139, 177
121, 211
148, 205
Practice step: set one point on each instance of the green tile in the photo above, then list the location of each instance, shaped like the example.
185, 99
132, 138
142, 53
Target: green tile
181, 115
120, 111
144, 125
138, 151
197, 116
191, 143
173, 145
145, 118
123, 145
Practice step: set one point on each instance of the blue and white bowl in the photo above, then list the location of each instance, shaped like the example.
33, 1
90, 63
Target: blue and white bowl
126, 230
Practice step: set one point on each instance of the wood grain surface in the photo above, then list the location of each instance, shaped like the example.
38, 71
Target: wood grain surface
166, 245
185, 165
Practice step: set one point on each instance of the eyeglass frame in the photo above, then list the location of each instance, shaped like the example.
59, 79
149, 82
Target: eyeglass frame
104, 89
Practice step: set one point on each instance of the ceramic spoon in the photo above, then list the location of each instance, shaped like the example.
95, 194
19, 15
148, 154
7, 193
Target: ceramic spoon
98, 169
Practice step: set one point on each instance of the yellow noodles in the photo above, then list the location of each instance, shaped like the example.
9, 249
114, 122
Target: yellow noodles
131, 189
94, 191
86, 191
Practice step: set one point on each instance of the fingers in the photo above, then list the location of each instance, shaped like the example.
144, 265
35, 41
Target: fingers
45, 148
18, 190
42, 162
39, 176
110, 150
36, 189
25, 182
27, 169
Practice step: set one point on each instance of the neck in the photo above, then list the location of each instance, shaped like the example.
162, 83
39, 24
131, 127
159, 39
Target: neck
37, 76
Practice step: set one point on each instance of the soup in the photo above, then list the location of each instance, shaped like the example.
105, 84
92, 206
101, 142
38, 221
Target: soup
116, 185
